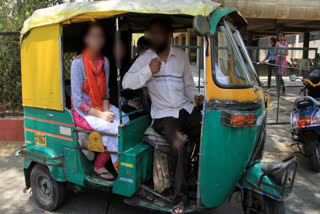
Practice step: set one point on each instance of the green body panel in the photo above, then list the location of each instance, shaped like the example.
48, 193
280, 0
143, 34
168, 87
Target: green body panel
135, 163
48, 123
58, 116
254, 174
225, 153
135, 167
132, 133
217, 15
77, 169
56, 171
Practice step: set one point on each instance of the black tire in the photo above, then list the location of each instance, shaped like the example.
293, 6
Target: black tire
255, 203
260, 152
47, 192
311, 147
315, 157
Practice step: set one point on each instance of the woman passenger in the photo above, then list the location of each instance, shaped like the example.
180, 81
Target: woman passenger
90, 96
271, 57
281, 60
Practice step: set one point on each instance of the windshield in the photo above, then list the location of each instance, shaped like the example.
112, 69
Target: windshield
233, 67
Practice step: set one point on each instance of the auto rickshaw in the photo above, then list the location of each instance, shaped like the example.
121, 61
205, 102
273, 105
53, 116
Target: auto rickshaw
233, 113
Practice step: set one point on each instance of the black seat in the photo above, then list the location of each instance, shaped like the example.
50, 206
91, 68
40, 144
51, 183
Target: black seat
276, 175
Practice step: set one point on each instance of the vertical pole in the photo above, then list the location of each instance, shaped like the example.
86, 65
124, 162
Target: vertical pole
198, 50
199, 60
118, 64
306, 39
180, 37
203, 116
279, 87
188, 43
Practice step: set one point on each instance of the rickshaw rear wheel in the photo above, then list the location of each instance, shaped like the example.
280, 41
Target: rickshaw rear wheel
47, 192
255, 203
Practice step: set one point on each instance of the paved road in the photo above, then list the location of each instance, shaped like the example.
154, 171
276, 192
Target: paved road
304, 199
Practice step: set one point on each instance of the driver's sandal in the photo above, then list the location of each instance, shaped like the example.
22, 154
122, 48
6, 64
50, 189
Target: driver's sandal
178, 208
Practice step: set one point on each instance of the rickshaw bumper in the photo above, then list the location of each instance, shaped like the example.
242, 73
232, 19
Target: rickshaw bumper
271, 179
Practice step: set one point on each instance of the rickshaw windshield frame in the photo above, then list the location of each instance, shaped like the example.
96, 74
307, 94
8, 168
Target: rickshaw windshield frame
244, 74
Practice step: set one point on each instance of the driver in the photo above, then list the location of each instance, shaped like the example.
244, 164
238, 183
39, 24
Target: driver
165, 71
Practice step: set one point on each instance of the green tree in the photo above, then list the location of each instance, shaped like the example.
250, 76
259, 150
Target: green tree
12, 15
14, 12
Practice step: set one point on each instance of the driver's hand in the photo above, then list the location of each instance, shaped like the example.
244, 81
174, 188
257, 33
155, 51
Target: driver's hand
155, 65
198, 100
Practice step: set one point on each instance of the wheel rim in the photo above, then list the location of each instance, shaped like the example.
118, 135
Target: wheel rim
44, 188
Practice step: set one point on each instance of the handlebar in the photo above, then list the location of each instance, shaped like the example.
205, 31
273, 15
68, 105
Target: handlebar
303, 89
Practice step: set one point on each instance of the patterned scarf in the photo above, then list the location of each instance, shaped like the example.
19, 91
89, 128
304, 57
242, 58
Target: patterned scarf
95, 85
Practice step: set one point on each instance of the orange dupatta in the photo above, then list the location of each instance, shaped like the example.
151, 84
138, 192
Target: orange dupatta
95, 85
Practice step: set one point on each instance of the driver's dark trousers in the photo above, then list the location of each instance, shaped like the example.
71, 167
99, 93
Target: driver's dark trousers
170, 128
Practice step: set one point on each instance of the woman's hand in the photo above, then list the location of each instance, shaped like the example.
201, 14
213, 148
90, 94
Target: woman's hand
106, 105
107, 115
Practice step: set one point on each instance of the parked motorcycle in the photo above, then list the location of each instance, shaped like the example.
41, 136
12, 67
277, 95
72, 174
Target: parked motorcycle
305, 119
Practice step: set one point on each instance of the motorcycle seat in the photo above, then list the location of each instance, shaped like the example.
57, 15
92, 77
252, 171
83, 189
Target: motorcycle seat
315, 101
276, 175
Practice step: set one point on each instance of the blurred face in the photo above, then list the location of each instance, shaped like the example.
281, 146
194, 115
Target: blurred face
272, 43
95, 40
281, 37
159, 38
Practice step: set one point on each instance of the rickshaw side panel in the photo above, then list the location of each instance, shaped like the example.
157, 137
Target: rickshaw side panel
59, 141
225, 154
135, 162
132, 133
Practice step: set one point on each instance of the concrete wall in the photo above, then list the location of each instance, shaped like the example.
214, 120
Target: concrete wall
11, 129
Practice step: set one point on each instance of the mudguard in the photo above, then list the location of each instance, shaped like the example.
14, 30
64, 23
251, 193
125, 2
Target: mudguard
267, 183
45, 156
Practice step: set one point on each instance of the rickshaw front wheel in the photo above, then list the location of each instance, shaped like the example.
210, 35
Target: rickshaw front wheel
255, 203
47, 192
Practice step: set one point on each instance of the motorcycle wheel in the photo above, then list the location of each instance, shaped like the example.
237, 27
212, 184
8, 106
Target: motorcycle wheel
312, 148
254, 203
315, 158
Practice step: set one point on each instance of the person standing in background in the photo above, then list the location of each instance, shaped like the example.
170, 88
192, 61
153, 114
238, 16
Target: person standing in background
271, 57
281, 59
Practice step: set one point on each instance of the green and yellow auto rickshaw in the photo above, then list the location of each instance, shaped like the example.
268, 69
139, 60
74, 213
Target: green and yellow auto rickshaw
233, 122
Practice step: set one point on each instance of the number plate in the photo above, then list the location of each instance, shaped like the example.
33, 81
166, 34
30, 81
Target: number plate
40, 139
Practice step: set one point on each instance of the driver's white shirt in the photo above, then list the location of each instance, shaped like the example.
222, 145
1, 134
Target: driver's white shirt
171, 89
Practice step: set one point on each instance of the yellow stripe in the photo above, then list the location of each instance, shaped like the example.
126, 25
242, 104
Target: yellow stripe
126, 164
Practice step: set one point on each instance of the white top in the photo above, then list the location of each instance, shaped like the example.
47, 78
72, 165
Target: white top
171, 89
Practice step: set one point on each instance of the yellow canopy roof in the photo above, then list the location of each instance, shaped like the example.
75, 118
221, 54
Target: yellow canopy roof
84, 11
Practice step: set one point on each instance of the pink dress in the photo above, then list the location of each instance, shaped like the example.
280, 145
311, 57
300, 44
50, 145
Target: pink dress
282, 59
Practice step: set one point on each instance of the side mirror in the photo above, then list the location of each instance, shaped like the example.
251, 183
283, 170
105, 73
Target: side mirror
201, 25
293, 78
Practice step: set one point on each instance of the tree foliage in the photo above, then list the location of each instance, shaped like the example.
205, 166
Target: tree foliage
14, 12
12, 15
